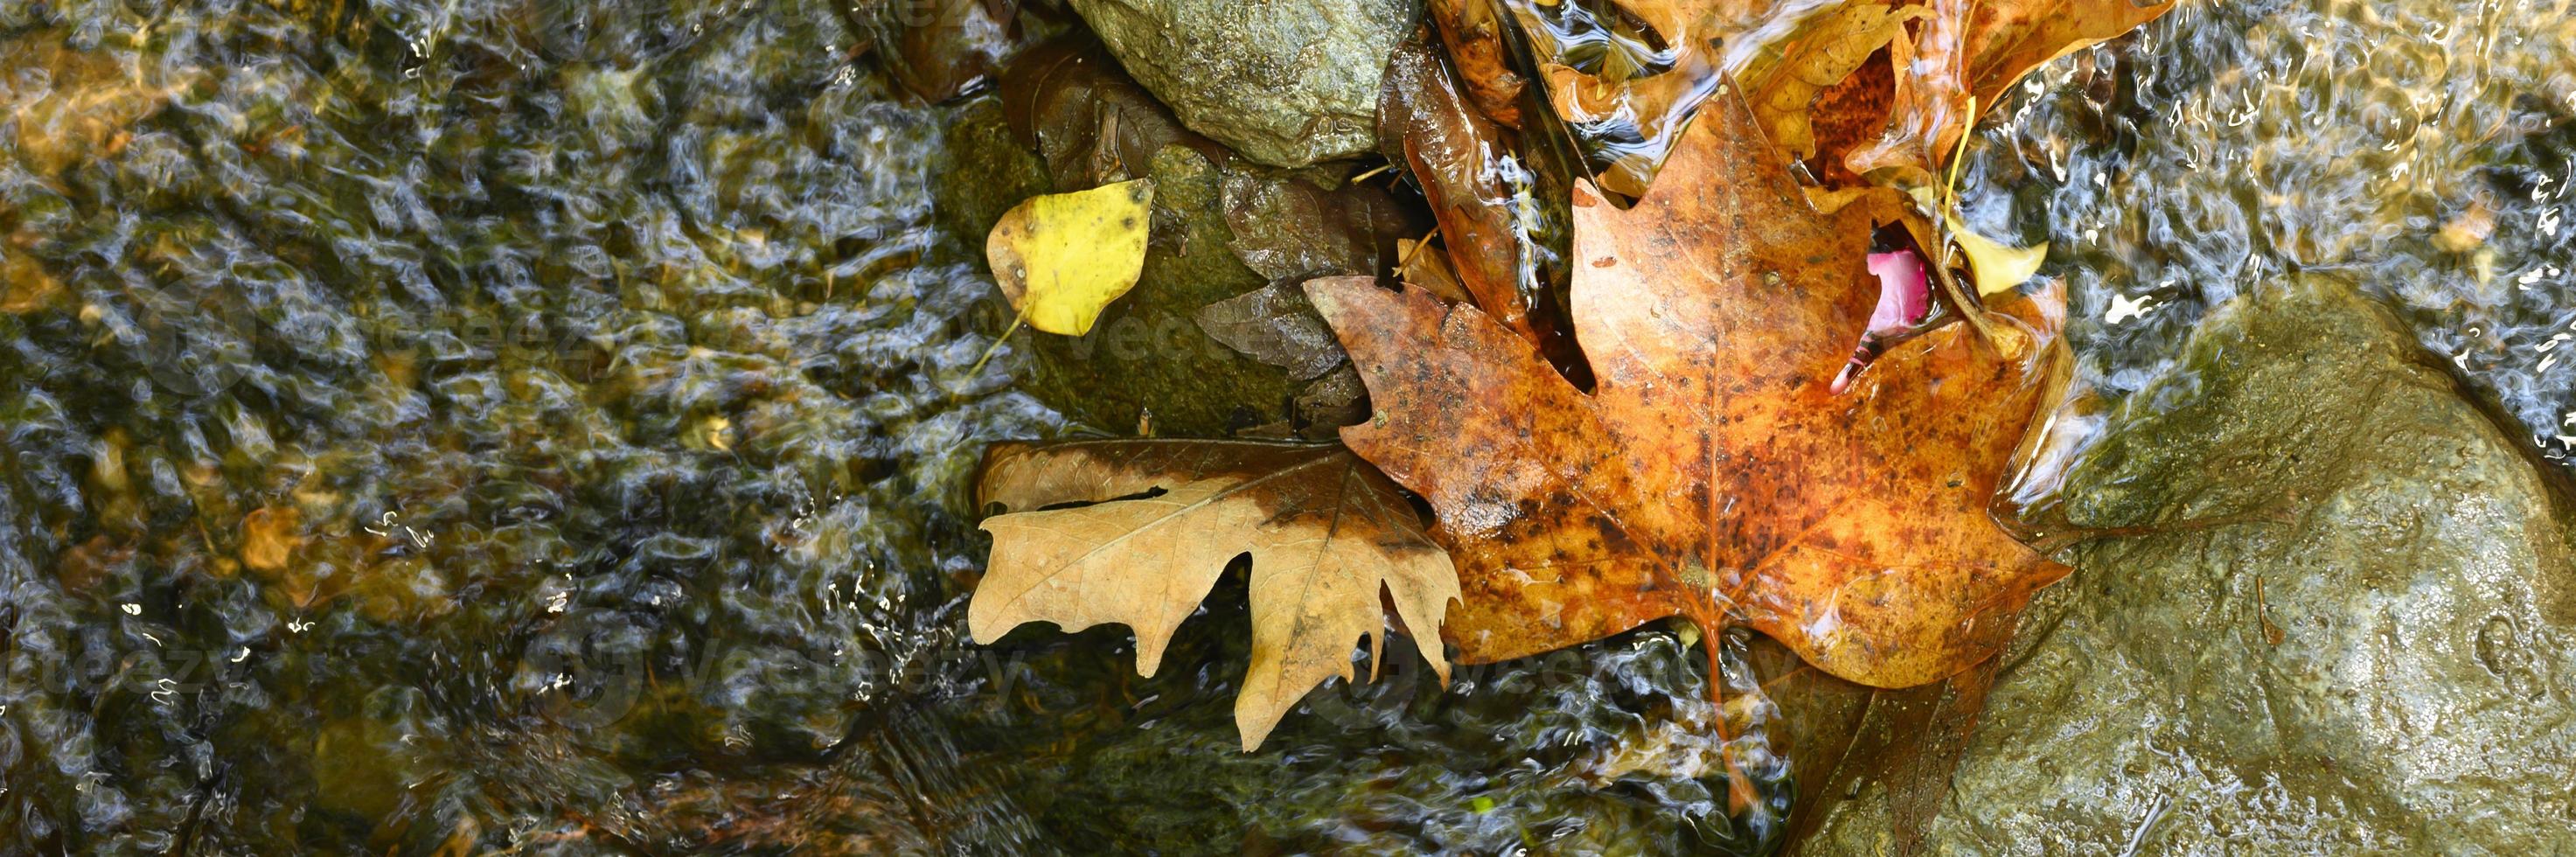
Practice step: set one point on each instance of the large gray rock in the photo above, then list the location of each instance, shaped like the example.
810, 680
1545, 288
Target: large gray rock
2388, 664
1284, 83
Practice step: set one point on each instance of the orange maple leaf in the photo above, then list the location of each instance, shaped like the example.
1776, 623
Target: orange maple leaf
1714, 473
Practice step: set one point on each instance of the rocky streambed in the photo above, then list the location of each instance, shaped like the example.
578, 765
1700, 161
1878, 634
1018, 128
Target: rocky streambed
449, 427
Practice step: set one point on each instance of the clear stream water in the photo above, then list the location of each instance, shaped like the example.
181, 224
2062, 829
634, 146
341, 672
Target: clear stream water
450, 426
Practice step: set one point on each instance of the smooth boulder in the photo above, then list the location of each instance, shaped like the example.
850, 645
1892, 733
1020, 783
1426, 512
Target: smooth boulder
2367, 644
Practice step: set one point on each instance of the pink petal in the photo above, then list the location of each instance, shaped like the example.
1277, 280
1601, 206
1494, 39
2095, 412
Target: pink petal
1904, 292
1904, 297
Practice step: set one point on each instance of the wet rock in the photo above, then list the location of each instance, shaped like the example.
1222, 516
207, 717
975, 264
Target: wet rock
1286, 84
983, 171
2375, 656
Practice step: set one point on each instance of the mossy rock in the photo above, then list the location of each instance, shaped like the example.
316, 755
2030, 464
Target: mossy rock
1147, 354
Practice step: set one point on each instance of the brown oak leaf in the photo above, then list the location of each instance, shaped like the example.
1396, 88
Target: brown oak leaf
1158, 522
1714, 472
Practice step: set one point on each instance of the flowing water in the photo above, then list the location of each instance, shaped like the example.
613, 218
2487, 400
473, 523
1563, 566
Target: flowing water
449, 426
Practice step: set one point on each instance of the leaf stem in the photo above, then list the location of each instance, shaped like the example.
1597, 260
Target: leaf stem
1950, 189
1406, 262
997, 344
1739, 788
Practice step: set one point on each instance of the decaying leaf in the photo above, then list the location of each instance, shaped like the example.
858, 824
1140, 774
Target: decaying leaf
1283, 224
270, 536
943, 50
1966, 55
1069, 101
1274, 325
1326, 532
1062, 257
1332, 401
1714, 472
1903, 742
1427, 269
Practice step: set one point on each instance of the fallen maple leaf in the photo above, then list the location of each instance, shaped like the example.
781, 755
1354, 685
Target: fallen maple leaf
1714, 473
1326, 533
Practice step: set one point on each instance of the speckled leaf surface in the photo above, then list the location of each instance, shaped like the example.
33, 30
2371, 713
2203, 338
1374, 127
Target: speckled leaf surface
1713, 473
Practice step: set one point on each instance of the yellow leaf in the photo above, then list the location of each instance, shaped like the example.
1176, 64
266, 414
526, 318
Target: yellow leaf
1997, 268
1061, 258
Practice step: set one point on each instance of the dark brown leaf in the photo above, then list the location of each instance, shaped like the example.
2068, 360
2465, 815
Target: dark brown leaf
1273, 324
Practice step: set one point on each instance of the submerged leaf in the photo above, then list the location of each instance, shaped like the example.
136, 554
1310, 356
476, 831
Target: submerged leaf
1069, 101
1274, 325
1429, 270
1061, 258
1784, 80
271, 535
1281, 224
1966, 55
1473, 30
1326, 532
943, 50
1472, 183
